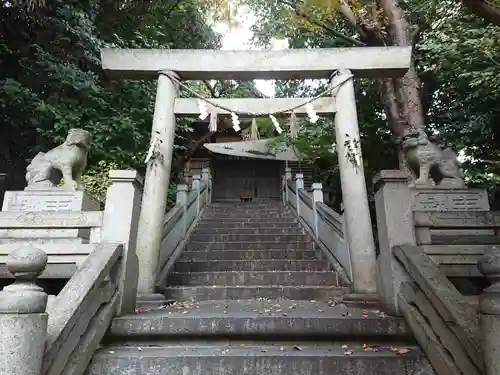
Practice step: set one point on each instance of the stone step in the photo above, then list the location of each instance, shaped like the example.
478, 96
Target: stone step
254, 278
250, 265
247, 245
247, 209
251, 255
222, 358
257, 317
296, 230
241, 292
265, 220
237, 236
231, 225
248, 215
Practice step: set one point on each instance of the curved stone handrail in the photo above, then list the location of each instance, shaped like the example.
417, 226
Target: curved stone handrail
180, 220
325, 224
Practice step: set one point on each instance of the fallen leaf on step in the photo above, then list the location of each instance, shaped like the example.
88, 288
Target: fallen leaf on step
111, 352
400, 350
365, 314
139, 349
348, 352
297, 348
344, 346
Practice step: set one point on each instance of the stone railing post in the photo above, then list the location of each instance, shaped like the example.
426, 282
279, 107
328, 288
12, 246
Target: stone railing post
283, 189
196, 187
120, 225
317, 196
23, 320
288, 177
205, 176
489, 307
182, 200
299, 184
395, 227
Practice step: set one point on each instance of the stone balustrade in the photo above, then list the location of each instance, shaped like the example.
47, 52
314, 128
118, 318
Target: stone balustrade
489, 307
323, 223
23, 320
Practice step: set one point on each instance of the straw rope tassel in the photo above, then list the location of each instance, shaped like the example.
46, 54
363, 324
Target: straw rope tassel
294, 126
254, 130
212, 127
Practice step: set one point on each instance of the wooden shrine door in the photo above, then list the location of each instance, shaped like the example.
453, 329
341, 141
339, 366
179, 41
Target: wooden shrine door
260, 178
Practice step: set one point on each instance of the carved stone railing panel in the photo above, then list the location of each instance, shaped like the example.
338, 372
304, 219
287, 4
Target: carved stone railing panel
448, 320
426, 236
180, 221
72, 313
324, 224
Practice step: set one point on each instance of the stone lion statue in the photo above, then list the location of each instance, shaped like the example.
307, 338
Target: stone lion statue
64, 162
430, 163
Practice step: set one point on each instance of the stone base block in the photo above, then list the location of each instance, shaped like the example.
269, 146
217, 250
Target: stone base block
48, 200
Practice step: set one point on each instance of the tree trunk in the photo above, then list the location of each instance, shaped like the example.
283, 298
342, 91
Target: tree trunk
406, 90
402, 97
485, 9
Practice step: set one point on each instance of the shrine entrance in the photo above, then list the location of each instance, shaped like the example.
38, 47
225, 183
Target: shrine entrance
260, 179
338, 65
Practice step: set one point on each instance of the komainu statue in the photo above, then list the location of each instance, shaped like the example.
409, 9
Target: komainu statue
65, 162
428, 162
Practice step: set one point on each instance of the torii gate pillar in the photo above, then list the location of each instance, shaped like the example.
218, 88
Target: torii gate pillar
156, 183
358, 227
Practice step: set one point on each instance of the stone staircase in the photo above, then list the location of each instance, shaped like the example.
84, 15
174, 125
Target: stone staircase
253, 295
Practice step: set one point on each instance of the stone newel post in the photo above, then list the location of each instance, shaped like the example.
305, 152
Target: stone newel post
489, 307
205, 176
181, 199
317, 197
120, 225
23, 321
196, 187
299, 184
288, 176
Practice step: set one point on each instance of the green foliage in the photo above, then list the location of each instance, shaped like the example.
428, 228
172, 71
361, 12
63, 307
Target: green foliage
96, 180
51, 78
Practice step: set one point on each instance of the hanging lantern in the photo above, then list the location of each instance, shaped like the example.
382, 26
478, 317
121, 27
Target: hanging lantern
212, 126
294, 126
254, 130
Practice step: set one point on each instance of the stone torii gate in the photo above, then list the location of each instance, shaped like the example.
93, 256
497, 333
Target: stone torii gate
339, 64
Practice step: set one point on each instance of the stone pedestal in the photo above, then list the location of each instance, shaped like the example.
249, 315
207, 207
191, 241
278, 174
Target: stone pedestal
425, 199
450, 200
48, 200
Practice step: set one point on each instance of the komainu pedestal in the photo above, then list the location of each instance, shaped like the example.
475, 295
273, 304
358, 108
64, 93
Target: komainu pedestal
48, 200
441, 200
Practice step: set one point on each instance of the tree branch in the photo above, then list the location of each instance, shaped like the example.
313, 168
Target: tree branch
330, 30
485, 9
210, 89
